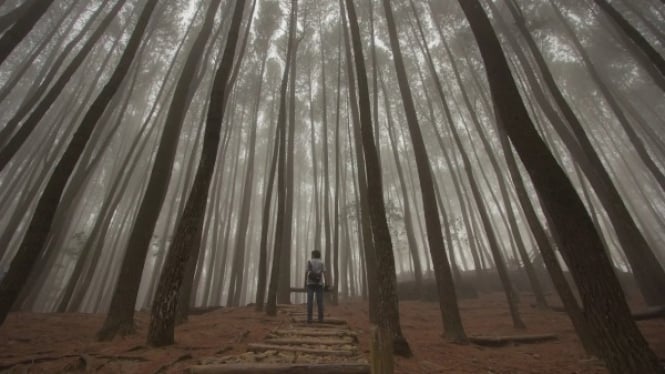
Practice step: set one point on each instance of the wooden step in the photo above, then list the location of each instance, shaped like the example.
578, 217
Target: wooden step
316, 332
310, 341
316, 326
258, 368
326, 321
495, 341
272, 347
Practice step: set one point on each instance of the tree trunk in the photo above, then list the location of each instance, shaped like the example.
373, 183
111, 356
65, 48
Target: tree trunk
452, 323
243, 219
111, 202
43, 80
408, 222
657, 61
328, 239
649, 274
18, 73
120, 318
621, 344
388, 308
284, 279
9, 18
365, 226
265, 225
635, 140
12, 37
513, 227
271, 305
19, 137
188, 232
42, 219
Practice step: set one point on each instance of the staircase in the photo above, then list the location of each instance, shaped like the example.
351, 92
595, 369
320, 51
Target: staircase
297, 347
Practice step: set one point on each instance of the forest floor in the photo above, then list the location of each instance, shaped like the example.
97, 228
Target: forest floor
50, 343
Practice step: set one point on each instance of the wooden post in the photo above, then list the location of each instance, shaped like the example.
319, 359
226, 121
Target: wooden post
381, 350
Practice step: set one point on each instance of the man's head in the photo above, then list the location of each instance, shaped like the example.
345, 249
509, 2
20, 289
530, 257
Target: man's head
316, 253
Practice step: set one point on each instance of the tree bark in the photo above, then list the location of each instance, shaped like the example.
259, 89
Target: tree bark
20, 136
188, 232
408, 222
26, 21
18, 73
635, 37
284, 279
42, 219
271, 305
622, 346
649, 274
611, 100
388, 308
265, 224
120, 318
452, 323
365, 226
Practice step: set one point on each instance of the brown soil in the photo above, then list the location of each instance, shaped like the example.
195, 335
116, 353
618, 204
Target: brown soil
49, 343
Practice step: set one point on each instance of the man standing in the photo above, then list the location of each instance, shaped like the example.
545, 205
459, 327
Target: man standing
315, 279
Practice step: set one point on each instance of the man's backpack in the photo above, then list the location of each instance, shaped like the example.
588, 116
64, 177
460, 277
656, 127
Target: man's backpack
313, 276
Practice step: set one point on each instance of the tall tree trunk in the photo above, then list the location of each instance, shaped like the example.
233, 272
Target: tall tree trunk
18, 73
111, 202
514, 229
621, 344
71, 200
271, 305
20, 136
635, 37
635, 140
39, 271
120, 318
546, 249
43, 80
649, 274
42, 219
650, 24
12, 37
90, 159
265, 224
328, 239
245, 208
336, 199
188, 232
284, 279
365, 226
386, 278
192, 277
36, 170
375, 79
408, 222
452, 322
9, 18
315, 168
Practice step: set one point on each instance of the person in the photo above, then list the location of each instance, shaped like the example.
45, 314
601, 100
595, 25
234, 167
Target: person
316, 279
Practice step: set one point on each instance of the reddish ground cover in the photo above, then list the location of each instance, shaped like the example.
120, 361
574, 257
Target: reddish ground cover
51, 343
